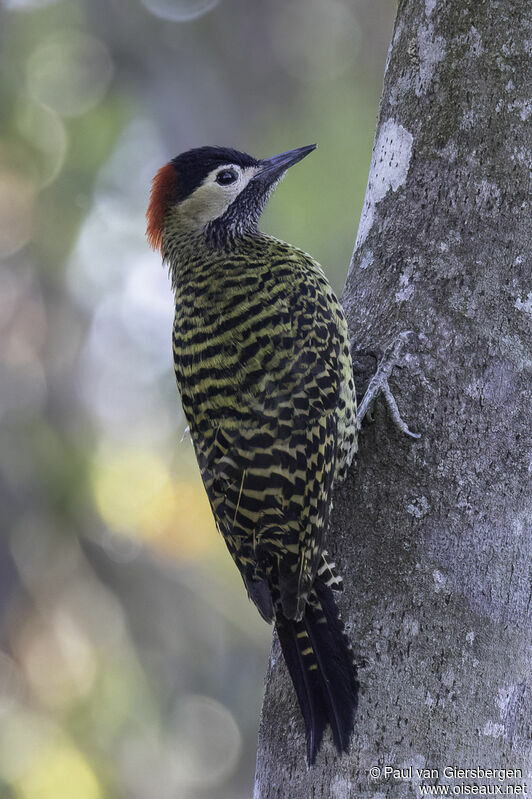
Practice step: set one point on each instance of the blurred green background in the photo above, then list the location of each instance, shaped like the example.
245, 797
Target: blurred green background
131, 661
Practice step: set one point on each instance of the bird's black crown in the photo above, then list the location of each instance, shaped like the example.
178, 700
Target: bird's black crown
193, 166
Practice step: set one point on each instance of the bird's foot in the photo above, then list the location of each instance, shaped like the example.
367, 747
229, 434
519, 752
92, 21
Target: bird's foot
379, 385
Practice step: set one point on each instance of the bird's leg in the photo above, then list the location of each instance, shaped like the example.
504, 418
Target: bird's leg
379, 384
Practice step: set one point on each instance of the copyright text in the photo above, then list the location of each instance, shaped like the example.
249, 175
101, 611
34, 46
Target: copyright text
455, 781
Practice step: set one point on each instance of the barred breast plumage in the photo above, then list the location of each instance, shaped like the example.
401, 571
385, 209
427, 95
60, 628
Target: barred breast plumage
264, 371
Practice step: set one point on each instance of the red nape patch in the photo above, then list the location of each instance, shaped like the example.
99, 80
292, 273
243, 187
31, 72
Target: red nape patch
163, 192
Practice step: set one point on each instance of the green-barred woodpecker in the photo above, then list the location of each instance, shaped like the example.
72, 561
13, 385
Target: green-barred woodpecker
263, 366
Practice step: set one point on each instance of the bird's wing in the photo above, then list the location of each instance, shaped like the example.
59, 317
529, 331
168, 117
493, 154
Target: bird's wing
269, 479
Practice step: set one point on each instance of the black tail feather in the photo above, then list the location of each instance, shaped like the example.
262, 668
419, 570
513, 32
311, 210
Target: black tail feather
307, 686
320, 662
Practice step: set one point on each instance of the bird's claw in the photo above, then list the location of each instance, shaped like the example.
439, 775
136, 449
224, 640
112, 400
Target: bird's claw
379, 384
394, 411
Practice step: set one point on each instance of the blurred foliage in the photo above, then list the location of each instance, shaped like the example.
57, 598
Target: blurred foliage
131, 662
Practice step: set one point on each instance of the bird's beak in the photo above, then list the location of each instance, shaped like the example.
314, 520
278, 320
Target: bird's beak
273, 168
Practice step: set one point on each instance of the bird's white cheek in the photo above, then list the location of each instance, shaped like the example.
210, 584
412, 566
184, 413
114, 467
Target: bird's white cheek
207, 203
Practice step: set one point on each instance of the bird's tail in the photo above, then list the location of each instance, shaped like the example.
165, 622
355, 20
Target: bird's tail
320, 662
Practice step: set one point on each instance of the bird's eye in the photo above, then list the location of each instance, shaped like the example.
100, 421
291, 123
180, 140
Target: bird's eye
226, 176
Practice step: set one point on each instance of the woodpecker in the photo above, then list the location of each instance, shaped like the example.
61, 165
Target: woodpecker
263, 367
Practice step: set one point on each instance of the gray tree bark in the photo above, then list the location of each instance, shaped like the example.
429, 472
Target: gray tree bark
431, 535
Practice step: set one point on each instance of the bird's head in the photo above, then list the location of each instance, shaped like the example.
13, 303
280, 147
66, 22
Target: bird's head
215, 192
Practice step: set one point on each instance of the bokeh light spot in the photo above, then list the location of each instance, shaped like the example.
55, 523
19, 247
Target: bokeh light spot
23, 737
17, 200
27, 5
70, 72
45, 130
208, 742
58, 660
59, 771
134, 492
137, 496
179, 10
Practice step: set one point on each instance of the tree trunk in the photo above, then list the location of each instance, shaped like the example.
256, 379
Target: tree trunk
431, 535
